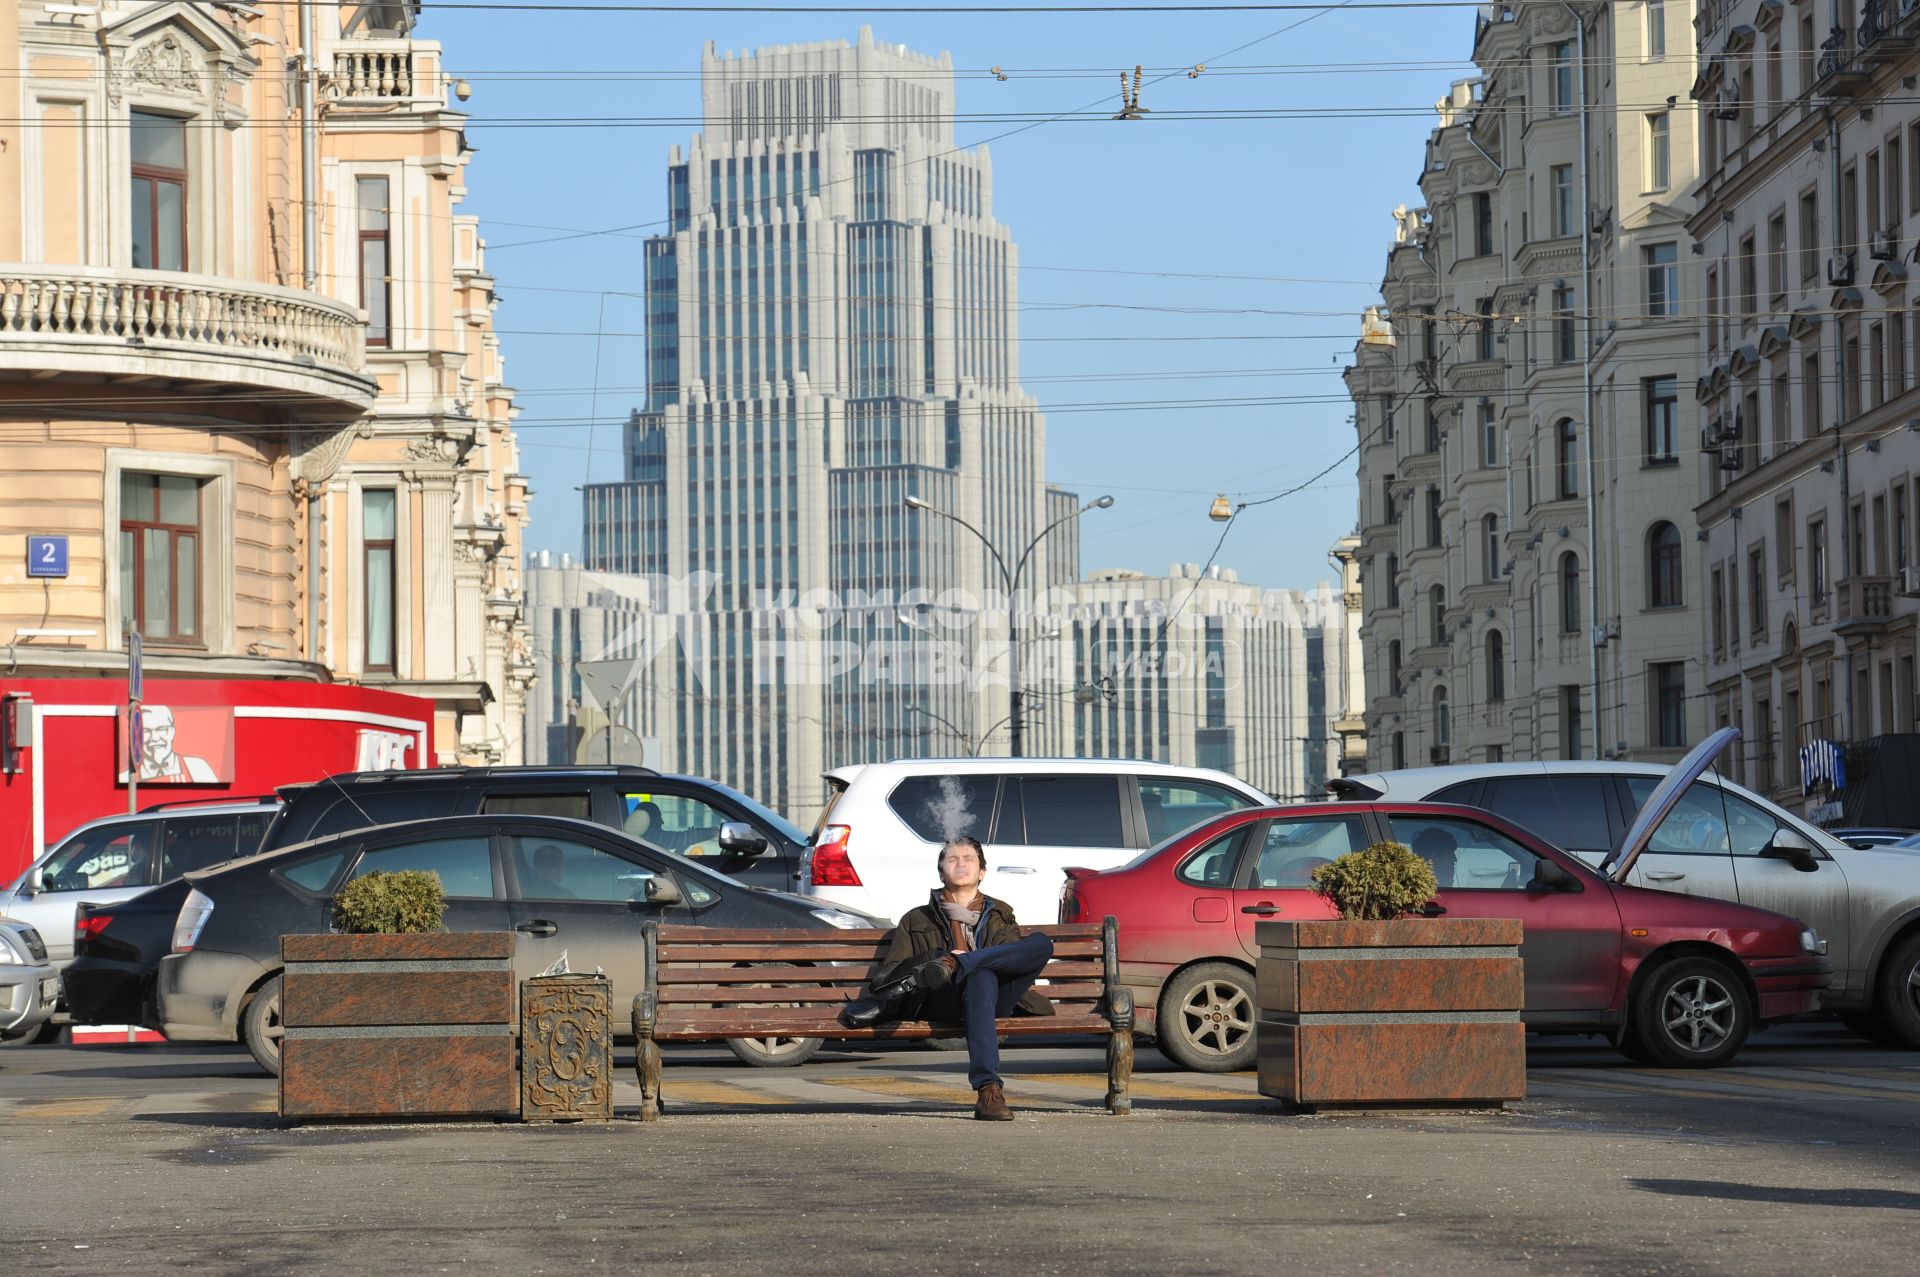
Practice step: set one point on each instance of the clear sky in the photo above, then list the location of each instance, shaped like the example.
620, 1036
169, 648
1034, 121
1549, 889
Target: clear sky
1160, 390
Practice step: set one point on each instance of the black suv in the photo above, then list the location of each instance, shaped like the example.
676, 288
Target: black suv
720, 827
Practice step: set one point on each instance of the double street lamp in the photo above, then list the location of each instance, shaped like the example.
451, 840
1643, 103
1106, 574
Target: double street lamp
1011, 579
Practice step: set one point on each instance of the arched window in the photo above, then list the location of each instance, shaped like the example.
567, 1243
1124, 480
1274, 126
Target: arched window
1442, 720
1393, 668
1566, 458
1490, 539
1569, 593
1437, 603
1663, 566
1496, 666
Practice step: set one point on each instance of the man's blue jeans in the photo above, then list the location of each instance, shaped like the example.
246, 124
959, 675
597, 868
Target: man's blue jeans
991, 981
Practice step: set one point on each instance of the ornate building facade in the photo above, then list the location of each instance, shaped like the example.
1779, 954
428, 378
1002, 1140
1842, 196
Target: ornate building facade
1527, 460
248, 372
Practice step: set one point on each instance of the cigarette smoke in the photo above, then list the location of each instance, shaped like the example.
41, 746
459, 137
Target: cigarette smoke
952, 811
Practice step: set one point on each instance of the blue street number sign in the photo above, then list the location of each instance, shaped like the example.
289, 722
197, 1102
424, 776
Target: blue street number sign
46, 556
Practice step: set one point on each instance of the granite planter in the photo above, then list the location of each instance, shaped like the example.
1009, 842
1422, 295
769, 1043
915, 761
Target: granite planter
566, 1049
1413, 1012
390, 1026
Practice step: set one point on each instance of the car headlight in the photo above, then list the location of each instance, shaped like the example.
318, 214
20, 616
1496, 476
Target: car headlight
842, 919
1810, 941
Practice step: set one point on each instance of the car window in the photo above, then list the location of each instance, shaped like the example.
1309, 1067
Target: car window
365, 809
194, 842
1707, 821
102, 860
567, 806
565, 869
937, 808
1213, 865
1173, 805
678, 822
314, 874
250, 828
1071, 811
1465, 855
465, 865
1568, 811
1292, 849
762, 815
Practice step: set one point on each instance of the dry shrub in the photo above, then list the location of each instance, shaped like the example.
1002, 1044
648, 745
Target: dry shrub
1376, 883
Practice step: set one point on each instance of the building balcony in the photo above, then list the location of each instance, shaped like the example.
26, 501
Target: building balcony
1840, 68
1862, 604
383, 72
174, 326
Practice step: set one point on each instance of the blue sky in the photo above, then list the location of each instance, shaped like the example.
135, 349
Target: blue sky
1291, 200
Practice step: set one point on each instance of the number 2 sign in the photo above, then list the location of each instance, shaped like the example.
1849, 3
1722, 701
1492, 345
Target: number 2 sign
46, 556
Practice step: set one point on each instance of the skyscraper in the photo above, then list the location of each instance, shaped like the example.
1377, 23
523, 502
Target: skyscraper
831, 329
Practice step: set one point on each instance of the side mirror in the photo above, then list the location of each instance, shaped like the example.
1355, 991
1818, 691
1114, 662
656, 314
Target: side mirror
662, 891
36, 881
1547, 876
1791, 846
738, 838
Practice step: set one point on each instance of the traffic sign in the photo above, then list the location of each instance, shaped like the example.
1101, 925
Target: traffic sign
47, 556
603, 681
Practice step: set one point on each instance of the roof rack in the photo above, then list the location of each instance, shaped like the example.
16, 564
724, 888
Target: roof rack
222, 800
422, 774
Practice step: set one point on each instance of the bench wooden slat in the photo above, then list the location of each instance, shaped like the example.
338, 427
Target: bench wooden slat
723, 1023
854, 973
681, 933
743, 951
786, 993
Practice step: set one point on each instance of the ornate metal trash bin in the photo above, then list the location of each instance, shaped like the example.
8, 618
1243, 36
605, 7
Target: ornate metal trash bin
566, 1049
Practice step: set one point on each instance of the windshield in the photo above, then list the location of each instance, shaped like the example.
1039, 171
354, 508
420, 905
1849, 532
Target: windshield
759, 811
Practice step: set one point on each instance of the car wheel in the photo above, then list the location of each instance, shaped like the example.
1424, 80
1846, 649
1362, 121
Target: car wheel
1871, 1027
1692, 1013
1900, 992
774, 1053
260, 1026
1206, 1018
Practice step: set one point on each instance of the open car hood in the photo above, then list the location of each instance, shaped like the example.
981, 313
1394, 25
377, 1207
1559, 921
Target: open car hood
1689, 769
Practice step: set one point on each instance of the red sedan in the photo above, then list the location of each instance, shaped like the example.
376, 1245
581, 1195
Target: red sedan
1673, 979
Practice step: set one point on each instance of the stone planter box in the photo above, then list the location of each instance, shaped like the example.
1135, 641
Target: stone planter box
1416, 1011
399, 1026
566, 1049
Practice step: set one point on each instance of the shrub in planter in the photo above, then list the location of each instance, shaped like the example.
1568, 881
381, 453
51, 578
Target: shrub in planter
1381, 1008
399, 903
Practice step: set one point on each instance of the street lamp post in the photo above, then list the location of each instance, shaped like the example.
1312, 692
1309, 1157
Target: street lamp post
961, 736
1011, 579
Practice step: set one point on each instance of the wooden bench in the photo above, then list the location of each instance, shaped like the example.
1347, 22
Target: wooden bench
707, 984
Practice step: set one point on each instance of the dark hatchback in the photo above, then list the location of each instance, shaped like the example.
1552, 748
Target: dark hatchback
563, 886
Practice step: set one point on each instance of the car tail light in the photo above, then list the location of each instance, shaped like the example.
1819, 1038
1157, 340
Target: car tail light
830, 865
194, 912
88, 926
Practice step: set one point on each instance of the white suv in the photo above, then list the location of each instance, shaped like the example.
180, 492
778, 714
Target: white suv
878, 838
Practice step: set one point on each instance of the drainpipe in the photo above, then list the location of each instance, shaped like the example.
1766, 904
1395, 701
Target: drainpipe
1841, 373
1586, 381
309, 148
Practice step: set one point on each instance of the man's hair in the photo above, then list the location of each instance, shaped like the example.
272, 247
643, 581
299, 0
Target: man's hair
967, 840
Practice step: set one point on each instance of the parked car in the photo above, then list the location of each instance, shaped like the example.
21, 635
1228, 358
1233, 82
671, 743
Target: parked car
28, 983
685, 815
1721, 840
1872, 836
1674, 980
876, 841
566, 887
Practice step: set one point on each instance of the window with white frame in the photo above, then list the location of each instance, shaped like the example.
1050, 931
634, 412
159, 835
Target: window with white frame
376, 261
157, 146
160, 541
379, 524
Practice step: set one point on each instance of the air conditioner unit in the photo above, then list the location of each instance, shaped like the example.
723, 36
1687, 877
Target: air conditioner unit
1840, 269
1910, 583
1438, 755
1885, 244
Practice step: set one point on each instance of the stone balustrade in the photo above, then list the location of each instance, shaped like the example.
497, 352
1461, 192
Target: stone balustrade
198, 327
380, 70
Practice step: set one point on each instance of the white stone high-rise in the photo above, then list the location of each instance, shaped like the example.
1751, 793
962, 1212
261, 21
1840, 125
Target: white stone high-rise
831, 328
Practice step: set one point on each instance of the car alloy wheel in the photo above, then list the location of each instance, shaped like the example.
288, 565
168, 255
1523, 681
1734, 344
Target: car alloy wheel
260, 1026
1900, 992
1206, 1020
1691, 1013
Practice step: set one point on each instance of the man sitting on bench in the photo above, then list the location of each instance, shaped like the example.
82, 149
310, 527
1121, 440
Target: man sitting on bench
961, 957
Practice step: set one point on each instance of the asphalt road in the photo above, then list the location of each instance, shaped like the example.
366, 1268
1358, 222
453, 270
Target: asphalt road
1804, 1158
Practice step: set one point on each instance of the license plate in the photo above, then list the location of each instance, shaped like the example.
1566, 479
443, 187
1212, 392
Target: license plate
49, 989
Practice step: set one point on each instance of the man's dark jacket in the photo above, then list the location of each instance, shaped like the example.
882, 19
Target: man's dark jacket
925, 930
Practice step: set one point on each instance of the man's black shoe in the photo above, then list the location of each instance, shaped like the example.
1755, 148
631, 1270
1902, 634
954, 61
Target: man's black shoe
869, 1009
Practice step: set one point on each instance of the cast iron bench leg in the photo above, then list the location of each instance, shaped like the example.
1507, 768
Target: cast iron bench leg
1120, 1053
646, 1055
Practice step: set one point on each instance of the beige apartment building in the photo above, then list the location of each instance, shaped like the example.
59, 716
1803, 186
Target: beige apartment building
1809, 393
1530, 581
247, 362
